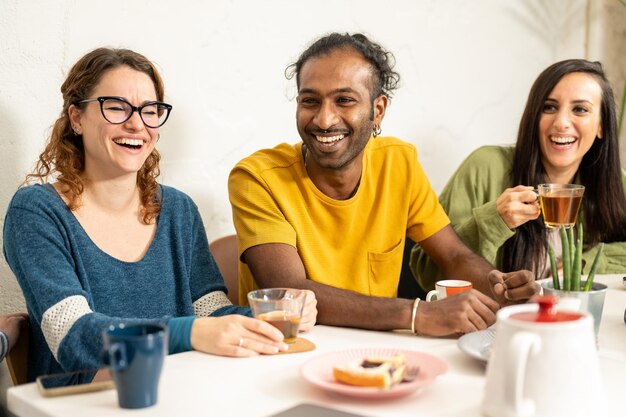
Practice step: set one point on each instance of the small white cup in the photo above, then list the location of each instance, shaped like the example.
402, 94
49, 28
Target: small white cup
448, 288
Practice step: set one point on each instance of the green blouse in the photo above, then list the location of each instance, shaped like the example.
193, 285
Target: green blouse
469, 198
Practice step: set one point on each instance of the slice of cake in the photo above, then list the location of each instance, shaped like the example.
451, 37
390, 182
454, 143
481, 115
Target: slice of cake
372, 372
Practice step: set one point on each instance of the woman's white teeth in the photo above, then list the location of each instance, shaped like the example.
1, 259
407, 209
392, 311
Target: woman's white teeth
131, 142
329, 139
563, 139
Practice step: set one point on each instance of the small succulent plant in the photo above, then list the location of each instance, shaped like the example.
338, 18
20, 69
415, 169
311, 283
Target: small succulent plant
572, 261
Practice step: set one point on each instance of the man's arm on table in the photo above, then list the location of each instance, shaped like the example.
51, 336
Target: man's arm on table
457, 261
280, 265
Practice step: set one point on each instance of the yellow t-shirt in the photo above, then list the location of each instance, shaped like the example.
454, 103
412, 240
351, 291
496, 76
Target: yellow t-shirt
355, 244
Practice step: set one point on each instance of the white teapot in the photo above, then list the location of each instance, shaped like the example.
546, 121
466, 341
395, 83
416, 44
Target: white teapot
544, 363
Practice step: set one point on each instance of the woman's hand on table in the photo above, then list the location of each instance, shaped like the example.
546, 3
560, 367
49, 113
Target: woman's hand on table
518, 205
235, 335
309, 313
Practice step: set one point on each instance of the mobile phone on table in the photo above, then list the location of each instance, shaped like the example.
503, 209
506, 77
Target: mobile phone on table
89, 380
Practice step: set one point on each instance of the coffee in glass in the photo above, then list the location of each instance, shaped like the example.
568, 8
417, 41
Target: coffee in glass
280, 307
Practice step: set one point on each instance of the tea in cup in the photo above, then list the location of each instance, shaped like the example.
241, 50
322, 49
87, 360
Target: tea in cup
560, 203
448, 288
280, 307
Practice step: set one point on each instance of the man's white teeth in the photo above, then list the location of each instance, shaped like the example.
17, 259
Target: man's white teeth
131, 142
563, 139
329, 139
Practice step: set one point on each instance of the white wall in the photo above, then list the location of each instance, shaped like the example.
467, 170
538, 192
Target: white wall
466, 69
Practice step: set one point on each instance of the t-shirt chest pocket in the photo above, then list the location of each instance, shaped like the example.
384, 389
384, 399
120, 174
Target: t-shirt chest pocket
384, 270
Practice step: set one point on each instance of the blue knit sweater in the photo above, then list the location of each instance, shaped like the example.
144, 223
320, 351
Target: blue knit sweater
74, 290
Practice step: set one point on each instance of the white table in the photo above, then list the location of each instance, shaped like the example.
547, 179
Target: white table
196, 384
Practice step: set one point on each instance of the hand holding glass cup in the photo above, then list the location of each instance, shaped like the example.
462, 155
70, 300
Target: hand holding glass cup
280, 307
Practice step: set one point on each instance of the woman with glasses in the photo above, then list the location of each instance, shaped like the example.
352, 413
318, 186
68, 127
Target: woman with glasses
568, 134
97, 241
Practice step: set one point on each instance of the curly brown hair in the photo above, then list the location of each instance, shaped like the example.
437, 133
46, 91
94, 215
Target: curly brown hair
63, 158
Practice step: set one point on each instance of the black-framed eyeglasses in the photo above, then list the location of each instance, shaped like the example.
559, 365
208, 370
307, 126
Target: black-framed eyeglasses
118, 110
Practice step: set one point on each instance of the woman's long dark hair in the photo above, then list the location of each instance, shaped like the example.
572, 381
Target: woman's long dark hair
604, 202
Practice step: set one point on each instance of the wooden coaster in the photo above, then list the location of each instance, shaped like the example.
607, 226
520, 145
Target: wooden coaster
299, 345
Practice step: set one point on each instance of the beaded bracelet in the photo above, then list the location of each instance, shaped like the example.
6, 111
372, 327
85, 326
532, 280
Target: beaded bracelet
413, 314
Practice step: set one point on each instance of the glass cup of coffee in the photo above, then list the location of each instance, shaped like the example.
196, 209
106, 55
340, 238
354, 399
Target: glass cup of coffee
560, 203
280, 307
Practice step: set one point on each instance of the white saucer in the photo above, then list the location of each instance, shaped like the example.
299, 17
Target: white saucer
478, 344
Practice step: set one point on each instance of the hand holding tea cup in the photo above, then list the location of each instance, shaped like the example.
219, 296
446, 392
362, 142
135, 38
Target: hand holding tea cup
518, 205
462, 313
236, 335
281, 307
241, 336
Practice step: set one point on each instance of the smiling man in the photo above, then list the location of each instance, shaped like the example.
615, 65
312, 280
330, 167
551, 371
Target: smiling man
331, 213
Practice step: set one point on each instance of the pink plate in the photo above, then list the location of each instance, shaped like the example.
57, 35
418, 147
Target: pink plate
319, 372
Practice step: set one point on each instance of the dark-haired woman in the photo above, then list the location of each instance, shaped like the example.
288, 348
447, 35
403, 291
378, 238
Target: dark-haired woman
568, 134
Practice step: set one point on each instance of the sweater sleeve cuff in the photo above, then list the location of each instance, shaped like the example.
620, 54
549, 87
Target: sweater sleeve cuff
180, 334
492, 229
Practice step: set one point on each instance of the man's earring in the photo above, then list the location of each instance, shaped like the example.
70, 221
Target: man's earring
376, 130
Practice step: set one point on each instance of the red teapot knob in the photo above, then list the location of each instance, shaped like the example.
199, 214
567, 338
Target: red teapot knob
547, 307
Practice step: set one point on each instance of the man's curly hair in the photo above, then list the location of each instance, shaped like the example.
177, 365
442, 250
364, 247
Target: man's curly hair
385, 79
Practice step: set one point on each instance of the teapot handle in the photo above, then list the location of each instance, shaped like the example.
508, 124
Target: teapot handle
521, 346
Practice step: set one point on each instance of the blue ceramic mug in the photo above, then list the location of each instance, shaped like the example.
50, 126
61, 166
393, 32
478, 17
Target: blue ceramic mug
135, 353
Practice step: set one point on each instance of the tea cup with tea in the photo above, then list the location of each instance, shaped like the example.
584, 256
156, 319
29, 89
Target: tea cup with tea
560, 203
280, 307
448, 288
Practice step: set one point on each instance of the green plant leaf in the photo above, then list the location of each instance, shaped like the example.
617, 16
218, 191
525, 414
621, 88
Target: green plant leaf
553, 268
577, 262
592, 271
567, 262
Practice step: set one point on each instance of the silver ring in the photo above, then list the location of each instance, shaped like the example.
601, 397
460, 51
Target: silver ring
240, 344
